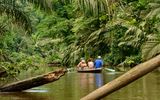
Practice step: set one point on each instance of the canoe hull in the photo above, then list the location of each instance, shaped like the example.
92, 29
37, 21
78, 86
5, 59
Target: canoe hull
89, 70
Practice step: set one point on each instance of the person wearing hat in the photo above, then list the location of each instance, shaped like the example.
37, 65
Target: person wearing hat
98, 63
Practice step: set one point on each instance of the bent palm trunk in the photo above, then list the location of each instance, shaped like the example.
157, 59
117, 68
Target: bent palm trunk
33, 82
130, 76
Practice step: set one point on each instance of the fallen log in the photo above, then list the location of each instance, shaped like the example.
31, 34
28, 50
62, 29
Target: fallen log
33, 82
130, 76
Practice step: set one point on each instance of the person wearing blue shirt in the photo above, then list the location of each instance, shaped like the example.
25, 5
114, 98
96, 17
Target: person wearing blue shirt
98, 63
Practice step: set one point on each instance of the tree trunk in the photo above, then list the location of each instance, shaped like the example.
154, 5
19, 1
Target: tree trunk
130, 76
33, 82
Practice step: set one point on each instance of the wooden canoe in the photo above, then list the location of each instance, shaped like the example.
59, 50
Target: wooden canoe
88, 70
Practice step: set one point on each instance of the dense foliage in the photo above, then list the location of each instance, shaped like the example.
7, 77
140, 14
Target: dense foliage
34, 33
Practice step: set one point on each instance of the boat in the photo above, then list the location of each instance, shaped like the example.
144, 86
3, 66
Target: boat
89, 70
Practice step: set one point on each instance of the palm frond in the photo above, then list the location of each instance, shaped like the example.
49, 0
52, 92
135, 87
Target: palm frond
95, 7
151, 47
134, 34
154, 11
98, 36
12, 9
16, 13
44, 4
93, 37
72, 55
47, 41
2, 29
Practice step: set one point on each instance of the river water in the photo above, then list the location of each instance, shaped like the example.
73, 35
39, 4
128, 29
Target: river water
73, 86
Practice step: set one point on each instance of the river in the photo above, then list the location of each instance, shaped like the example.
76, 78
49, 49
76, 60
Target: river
73, 86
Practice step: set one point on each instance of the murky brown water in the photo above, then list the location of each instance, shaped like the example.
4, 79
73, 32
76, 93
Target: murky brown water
75, 85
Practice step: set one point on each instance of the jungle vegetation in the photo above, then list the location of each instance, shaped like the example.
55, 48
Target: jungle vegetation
34, 33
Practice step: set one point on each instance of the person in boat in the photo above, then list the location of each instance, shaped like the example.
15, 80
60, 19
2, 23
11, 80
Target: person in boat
98, 63
90, 63
82, 64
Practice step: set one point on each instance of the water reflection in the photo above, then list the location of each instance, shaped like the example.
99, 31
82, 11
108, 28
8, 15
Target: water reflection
99, 80
145, 88
36, 90
91, 81
74, 86
22, 96
86, 81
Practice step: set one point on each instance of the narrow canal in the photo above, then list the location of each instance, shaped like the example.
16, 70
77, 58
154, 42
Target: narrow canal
75, 85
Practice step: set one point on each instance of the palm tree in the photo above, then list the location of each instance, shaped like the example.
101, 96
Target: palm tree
13, 9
